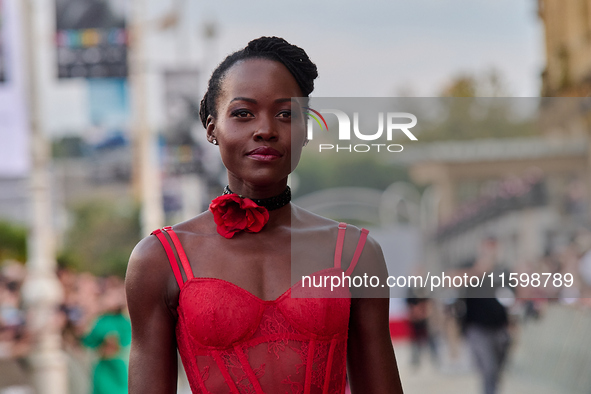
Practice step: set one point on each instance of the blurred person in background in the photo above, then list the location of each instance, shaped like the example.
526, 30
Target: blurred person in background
486, 321
15, 343
419, 312
71, 318
110, 336
579, 263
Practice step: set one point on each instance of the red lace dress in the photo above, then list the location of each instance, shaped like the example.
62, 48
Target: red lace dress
231, 341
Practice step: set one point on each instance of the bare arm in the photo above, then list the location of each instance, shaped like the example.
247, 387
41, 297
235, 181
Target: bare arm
153, 356
371, 364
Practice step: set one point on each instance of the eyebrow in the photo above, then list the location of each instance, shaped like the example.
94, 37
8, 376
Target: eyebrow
250, 100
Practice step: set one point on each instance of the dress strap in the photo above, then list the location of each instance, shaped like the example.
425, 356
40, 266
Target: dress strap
181, 252
338, 253
358, 250
171, 256
339, 248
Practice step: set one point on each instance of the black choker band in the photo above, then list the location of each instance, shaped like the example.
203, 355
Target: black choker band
270, 203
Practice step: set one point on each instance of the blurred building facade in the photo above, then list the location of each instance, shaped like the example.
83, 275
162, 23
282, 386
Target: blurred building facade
567, 26
524, 191
464, 174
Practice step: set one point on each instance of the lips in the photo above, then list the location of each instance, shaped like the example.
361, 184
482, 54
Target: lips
264, 153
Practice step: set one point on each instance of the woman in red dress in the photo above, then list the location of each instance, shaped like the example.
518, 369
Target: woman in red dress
219, 286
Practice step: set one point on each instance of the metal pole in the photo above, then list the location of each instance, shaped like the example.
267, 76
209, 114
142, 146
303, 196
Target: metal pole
146, 172
42, 291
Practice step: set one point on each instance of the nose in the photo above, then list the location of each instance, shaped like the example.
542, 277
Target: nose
266, 131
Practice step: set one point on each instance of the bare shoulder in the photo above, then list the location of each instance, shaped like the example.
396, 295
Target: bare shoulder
322, 231
149, 279
147, 255
306, 220
311, 230
149, 264
149, 269
371, 265
314, 231
200, 224
371, 260
372, 252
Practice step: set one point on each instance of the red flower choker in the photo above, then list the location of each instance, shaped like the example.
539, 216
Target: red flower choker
233, 213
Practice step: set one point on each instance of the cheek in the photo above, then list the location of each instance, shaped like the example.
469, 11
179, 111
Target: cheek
228, 154
296, 153
227, 148
298, 133
295, 159
229, 137
298, 138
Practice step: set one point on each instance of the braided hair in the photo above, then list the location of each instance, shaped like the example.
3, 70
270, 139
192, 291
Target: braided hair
292, 57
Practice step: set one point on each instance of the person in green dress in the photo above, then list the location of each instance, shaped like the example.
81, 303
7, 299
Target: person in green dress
110, 336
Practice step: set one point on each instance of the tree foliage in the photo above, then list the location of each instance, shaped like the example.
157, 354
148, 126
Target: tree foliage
13, 242
101, 238
478, 107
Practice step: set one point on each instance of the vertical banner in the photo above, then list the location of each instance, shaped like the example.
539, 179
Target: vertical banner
182, 109
184, 187
91, 38
14, 128
2, 67
181, 103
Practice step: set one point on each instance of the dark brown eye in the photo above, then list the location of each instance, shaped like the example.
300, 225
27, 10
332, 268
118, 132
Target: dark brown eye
241, 113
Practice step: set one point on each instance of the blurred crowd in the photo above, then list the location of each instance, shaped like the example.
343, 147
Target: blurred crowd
488, 322
94, 325
15, 341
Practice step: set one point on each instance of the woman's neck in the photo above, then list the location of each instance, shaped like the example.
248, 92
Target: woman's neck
271, 203
256, 191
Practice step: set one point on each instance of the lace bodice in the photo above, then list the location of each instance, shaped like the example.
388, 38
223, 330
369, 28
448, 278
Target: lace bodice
231, 341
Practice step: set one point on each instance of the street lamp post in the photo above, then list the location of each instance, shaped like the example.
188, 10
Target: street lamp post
146, 173
42, 292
